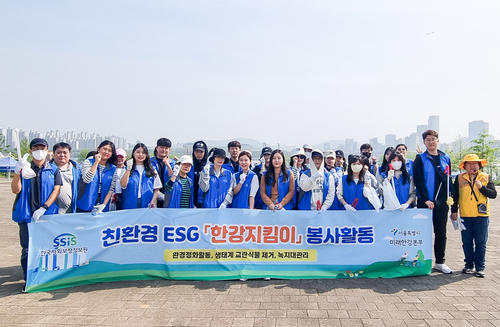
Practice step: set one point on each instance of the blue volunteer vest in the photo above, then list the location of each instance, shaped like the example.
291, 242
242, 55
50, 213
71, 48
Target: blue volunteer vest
154, 162
219, 186
402, 190
229, 167
240, 200
87, 193
131, 193
21, 212
305, 197
173, 198
355, 191
409, 166
429, 172
282, 189
198, 197
74, 185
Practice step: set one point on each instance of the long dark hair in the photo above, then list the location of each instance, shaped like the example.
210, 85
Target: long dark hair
406, 174
270, 172
303, 167
112, 159
353, 158
384, 168
148, 167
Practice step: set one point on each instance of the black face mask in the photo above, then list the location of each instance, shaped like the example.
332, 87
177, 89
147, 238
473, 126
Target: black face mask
366, 154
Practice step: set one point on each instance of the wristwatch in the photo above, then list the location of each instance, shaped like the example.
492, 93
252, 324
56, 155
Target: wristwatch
45, 206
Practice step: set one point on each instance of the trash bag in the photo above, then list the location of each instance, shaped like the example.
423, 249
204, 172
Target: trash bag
391, 201
373, 199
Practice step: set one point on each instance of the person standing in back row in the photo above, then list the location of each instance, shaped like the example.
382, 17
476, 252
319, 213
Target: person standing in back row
432, 182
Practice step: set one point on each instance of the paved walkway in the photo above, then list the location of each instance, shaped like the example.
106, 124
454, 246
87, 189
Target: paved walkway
435, 300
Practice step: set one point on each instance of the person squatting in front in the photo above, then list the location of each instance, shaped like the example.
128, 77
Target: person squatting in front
179, 189
316, 186
140, 183
36, 185
473, 189
353, 188
244, 185
97, 180
277, 187
215, 180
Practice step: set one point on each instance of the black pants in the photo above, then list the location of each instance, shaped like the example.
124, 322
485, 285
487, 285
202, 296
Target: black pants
439, 221
23, 240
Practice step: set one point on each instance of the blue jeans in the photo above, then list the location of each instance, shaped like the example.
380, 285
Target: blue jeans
474, 239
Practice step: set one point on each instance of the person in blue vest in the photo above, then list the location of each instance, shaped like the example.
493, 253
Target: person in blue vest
215, 181
353, 188
336, 165
234, 148
297, 166
277, 188
402, 181
97, 180
316, 185
366, 150
403, 149
200, 158
260, 170
244, 185
70, 175
179, 187
433, 186
382, 170
140, 183
36, 185
163, 165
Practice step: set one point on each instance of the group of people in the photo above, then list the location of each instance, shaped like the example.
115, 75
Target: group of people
52, 183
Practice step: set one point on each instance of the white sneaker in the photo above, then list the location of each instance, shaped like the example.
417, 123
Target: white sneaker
243, 279
443, 268
267, 278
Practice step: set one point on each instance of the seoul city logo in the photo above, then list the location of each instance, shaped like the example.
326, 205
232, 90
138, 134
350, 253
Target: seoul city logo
65, 239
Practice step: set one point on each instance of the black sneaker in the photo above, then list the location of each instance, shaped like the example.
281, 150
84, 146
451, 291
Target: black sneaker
480, 273
466, 270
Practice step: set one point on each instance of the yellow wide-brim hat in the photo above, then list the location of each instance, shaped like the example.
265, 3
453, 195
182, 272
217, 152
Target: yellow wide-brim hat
472, 157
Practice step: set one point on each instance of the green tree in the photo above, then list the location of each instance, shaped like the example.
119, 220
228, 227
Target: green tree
457, 153
483, 147
82, 155
3, 145
25, 148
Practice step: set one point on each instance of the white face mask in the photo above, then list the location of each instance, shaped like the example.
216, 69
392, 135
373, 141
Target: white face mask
39, 154
308, 155
396, 165
356, 168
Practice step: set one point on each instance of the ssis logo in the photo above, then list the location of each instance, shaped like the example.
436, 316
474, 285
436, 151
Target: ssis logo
65, 239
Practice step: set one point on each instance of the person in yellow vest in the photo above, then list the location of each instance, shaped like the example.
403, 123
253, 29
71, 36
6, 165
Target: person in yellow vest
472, 190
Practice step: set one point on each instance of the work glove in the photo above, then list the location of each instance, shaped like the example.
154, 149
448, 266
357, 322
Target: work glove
151, 205
349, 207
26, 170
130, 163
243, 177
461, 225
21, 163
223, 206
98, 209
206, 168
404, 206
38, 213
390, 174
177, 168
161, 196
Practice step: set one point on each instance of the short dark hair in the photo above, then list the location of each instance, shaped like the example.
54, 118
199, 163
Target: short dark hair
401, 144
234, 144
164, 142
366, 146
63, 145
431, 133
245, 153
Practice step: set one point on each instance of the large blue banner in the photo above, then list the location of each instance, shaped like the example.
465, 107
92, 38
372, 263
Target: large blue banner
211, 244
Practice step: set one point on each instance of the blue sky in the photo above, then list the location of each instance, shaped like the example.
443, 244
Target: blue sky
286, 72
